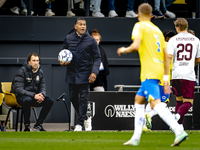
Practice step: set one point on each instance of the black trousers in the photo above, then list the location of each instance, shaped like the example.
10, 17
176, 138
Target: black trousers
79, 97
27, 102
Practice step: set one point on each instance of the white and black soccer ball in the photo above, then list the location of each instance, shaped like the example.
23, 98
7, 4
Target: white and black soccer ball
65, 56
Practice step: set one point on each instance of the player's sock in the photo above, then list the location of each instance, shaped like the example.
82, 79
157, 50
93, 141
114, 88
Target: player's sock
139, 120
178, 104
183, 109
168, 118
148, 108
177, 116
150, 111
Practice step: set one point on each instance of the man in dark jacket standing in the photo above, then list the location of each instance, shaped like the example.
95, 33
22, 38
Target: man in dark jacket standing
29, 88
82, 70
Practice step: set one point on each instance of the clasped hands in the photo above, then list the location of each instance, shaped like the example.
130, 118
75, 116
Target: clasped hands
39, 97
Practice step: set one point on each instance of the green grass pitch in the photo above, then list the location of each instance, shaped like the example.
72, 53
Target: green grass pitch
94, 140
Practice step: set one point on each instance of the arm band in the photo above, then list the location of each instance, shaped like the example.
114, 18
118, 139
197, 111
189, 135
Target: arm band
166, 77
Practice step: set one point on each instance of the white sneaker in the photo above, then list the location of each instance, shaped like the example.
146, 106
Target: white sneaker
15, 10
170, 14
81, 5
49, 13
25, 12
179, 139
88, 124
78, 128
97, 14
112, 13
131, 14
49, 1
133, 143
70, 13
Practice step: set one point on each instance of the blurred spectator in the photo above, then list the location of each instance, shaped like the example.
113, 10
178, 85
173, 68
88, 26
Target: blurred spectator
129, 13
169, 2
100, 84
96, 8
81, 3
163, 8
21, 9
156, 9
70, 7
49, 11
160, 9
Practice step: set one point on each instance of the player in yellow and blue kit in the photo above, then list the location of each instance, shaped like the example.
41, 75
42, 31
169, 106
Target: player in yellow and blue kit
149, 113
148, 40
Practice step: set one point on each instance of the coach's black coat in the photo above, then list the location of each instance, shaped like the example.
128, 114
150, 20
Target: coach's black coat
101, 79
25, 82
86, 57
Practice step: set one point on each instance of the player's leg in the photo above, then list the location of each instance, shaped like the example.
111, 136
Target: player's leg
153, 93
187, 90
169, 119
183, 109
165, 114
179, 102
149, 113
139, 121
144, 93
139, 117
176, 88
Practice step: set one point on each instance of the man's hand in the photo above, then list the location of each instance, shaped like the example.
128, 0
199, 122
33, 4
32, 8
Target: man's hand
92, 77
121, 50
39, 97
166, 87
63, 63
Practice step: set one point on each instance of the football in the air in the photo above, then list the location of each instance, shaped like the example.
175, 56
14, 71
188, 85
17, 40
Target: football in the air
65, 55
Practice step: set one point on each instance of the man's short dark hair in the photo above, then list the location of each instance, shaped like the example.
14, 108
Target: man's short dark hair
169, 33
79, 19
33, 54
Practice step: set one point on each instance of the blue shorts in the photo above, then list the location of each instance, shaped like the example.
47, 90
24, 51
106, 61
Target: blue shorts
151, 90
164, 97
